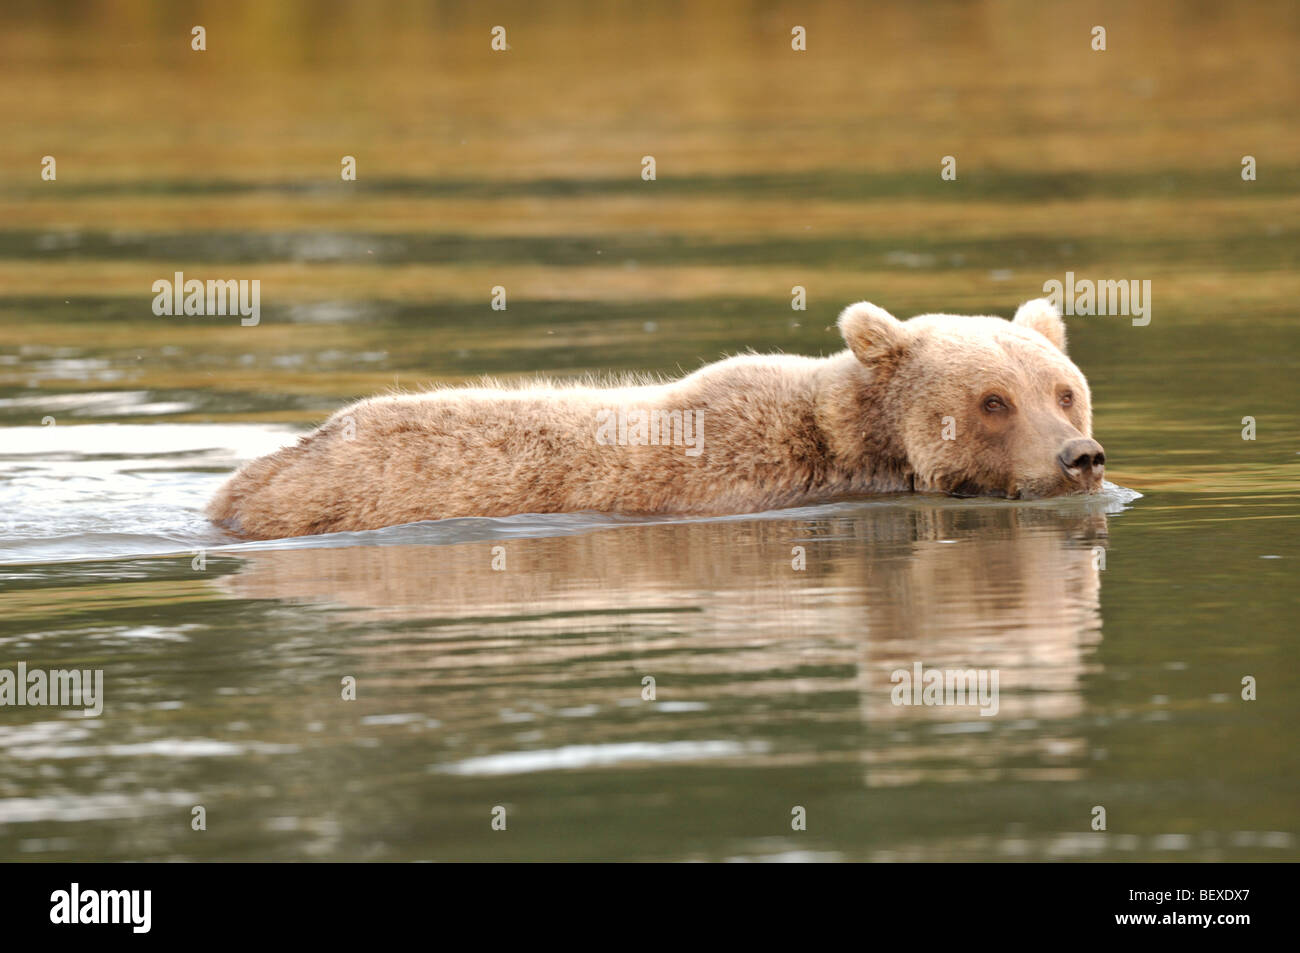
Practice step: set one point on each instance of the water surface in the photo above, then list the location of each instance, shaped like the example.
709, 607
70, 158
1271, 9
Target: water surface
1121, 626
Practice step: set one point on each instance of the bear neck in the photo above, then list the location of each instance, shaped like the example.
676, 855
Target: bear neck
860, 425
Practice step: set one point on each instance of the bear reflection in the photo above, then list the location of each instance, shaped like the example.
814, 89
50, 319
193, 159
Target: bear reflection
737, 608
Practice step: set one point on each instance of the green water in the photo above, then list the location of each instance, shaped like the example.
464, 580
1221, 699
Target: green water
1121, 628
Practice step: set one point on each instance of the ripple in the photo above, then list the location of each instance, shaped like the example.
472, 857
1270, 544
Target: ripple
599, 756
91, 807
166, 748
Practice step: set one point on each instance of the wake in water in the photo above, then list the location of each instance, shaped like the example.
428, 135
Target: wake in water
106, 491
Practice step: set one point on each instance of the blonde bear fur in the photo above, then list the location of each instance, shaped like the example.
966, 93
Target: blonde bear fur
939, 403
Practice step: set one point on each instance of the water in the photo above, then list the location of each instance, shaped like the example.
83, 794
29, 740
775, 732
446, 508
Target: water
1121, 626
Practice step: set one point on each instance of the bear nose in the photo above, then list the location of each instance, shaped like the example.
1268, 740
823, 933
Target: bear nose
1082, 454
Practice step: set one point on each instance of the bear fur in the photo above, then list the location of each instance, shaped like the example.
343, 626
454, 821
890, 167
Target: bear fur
972, 406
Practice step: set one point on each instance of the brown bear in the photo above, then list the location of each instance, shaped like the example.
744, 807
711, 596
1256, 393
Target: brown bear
971, 406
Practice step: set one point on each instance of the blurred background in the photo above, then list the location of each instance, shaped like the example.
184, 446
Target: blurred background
522, 169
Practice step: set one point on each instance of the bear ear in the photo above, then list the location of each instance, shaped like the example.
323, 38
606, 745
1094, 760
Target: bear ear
871, 333
1041, 315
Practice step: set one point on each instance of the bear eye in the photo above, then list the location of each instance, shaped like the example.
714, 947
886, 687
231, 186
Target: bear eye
994, 403
1067, 399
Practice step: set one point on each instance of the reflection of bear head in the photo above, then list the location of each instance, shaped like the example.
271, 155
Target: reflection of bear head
980, 406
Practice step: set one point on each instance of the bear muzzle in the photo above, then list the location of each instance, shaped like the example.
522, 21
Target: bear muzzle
1084, 461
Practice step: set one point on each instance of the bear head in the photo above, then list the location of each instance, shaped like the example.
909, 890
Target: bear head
979, 406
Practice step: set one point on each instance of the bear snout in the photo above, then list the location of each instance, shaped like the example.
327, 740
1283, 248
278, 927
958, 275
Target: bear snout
1084, 460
